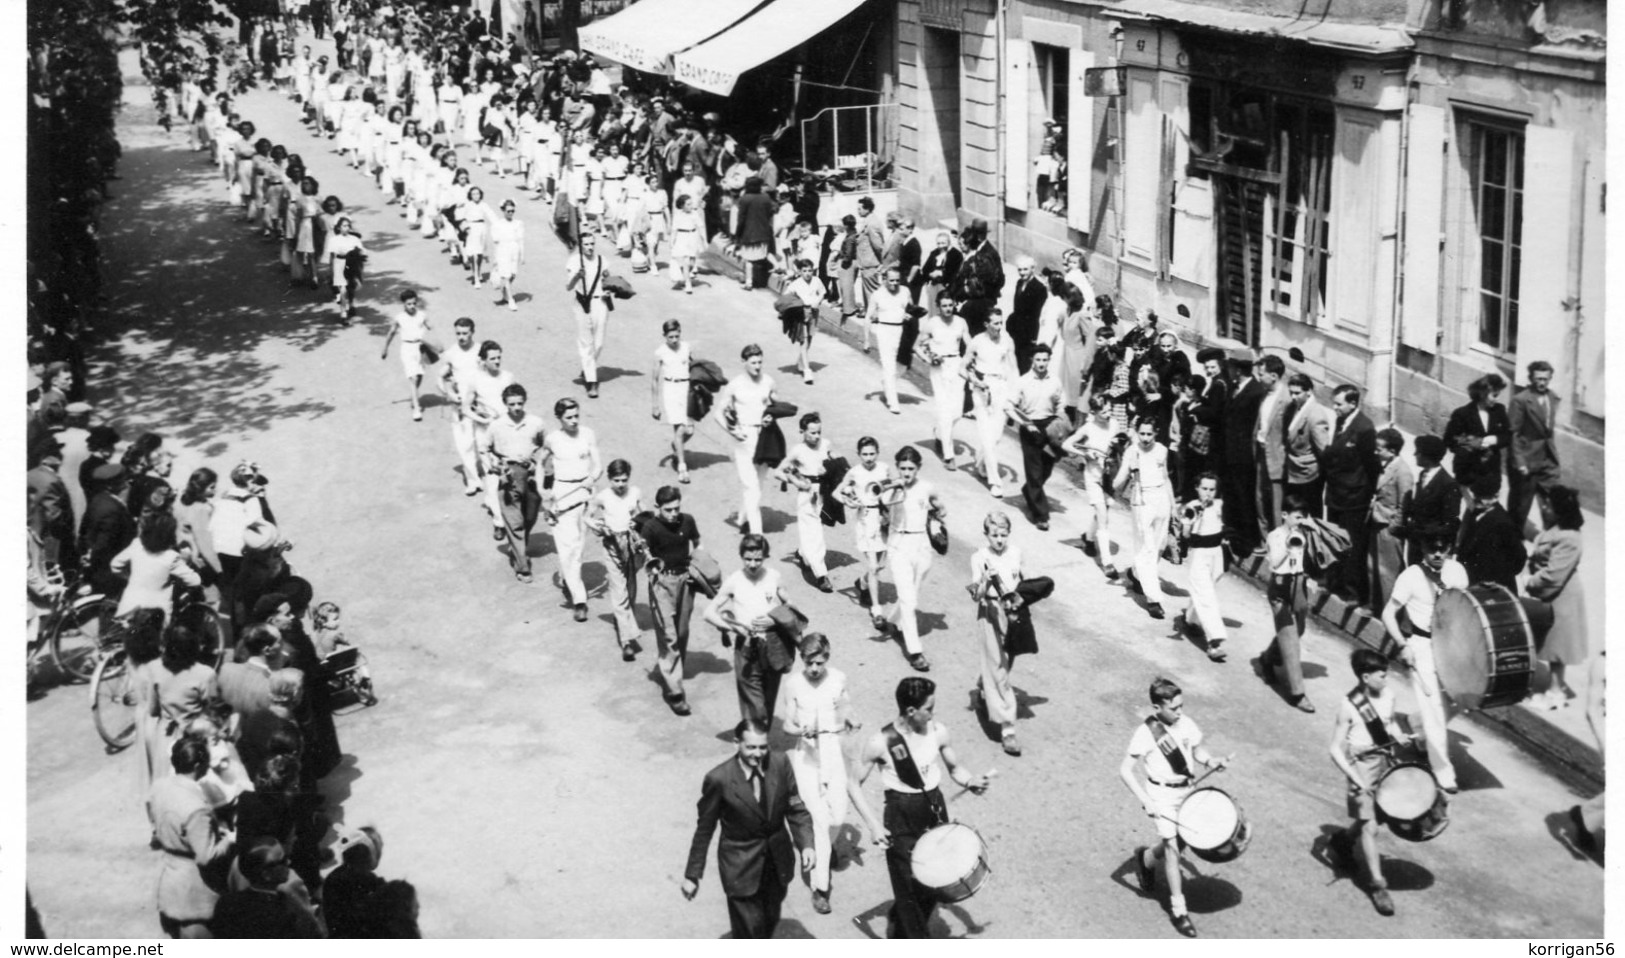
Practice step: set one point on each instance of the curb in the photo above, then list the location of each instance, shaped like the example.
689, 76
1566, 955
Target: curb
1574, 761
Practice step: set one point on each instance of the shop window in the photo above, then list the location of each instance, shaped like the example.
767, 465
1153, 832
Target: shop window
1047, 119
1493, 157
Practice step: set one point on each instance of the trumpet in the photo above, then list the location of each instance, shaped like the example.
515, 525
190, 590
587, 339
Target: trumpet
1295, 541
874, 489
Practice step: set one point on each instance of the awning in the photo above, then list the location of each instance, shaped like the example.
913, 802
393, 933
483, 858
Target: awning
648, 32
1368, 38
715, 65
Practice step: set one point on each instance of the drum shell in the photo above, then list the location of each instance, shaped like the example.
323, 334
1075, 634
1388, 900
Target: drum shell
1231, 848
946, 840
1428, 825
1484, 645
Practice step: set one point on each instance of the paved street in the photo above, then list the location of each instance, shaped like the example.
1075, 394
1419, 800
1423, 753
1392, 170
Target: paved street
532, 784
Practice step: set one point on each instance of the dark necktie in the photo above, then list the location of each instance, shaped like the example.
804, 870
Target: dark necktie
756, 785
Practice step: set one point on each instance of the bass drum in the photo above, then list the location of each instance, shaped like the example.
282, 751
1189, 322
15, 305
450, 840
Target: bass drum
1484, 644
951, 860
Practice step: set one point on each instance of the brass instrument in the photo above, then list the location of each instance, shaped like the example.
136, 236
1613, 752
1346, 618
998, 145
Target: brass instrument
992, 585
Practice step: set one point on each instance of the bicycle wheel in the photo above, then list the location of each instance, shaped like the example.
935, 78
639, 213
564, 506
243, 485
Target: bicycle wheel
113, 701
81, 634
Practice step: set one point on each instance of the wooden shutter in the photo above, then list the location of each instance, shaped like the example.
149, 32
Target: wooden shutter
1424, 215
1080, 144
1018, 57
1546, 318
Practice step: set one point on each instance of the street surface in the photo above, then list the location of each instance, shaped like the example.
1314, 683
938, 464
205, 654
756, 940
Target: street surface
531, 784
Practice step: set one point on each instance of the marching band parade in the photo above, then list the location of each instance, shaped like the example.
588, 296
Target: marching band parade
1117, 486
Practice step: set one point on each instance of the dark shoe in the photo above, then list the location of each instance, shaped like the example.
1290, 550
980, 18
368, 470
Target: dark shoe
678, 704
918, 662
498, 533
1012, 748
1112, 574
1183, 925
1302, 704
592, 390
824, 585
879, 624
627, 655
1090, 549
523, 577
1215, 652
1156, 612
1043, 525
1146, 874
581, 611
1382, 901
820, 901
1582, 835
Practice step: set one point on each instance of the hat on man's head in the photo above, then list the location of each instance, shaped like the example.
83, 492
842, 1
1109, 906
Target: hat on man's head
102, 437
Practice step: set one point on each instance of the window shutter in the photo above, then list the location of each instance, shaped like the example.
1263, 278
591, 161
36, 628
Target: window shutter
1424, 215
1080, 145
1017, 170
1546, 319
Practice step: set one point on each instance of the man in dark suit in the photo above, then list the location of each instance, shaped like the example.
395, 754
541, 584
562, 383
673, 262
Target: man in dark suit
54, 515
753, 795
107, 529
1350, 468
1269, 444
1025, 307
245, 686
1491, 545
1240, 472
1533, 465
1434, 508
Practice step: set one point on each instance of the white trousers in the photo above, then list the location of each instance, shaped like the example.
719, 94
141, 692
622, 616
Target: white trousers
810, 532
750, 481
590, 328
462, 438
989, 407
569, 539
1206, 566
948, 396
821, 781
1430, 709
887, 338
910, 560
1151, 526
997, 693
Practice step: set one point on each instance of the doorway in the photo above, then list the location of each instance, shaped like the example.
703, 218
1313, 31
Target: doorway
939, 119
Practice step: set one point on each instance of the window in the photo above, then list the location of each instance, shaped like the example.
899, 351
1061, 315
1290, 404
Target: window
1299, 233
1494, 161
1052, 66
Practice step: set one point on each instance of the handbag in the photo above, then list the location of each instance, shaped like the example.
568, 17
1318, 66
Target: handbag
937, 533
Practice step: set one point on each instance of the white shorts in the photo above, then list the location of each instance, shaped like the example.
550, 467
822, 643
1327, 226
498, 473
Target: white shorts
412, 359
1165, 802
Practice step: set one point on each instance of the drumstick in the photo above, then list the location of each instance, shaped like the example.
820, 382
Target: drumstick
991, 773
1213, 769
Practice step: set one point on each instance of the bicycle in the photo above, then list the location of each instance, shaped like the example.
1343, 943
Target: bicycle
113, 693
74, 628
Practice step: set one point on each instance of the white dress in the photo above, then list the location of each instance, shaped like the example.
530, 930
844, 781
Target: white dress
507, 240
673, 383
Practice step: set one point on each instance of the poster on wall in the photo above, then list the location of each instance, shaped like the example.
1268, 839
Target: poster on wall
590, 10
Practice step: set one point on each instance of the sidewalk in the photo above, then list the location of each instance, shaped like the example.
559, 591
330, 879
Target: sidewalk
1561, 740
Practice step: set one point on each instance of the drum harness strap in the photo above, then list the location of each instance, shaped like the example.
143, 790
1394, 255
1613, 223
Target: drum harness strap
907, 772
1368, 714
1171, 750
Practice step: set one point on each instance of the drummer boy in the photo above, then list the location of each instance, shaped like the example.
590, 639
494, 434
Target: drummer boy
1362, 748
1164, 749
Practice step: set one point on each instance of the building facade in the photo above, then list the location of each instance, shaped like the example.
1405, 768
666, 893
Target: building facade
1354, 183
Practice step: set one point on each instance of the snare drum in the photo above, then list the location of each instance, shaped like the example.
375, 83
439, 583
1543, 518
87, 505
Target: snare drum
1483, 646
1411, 804
951, 860
1213, 826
